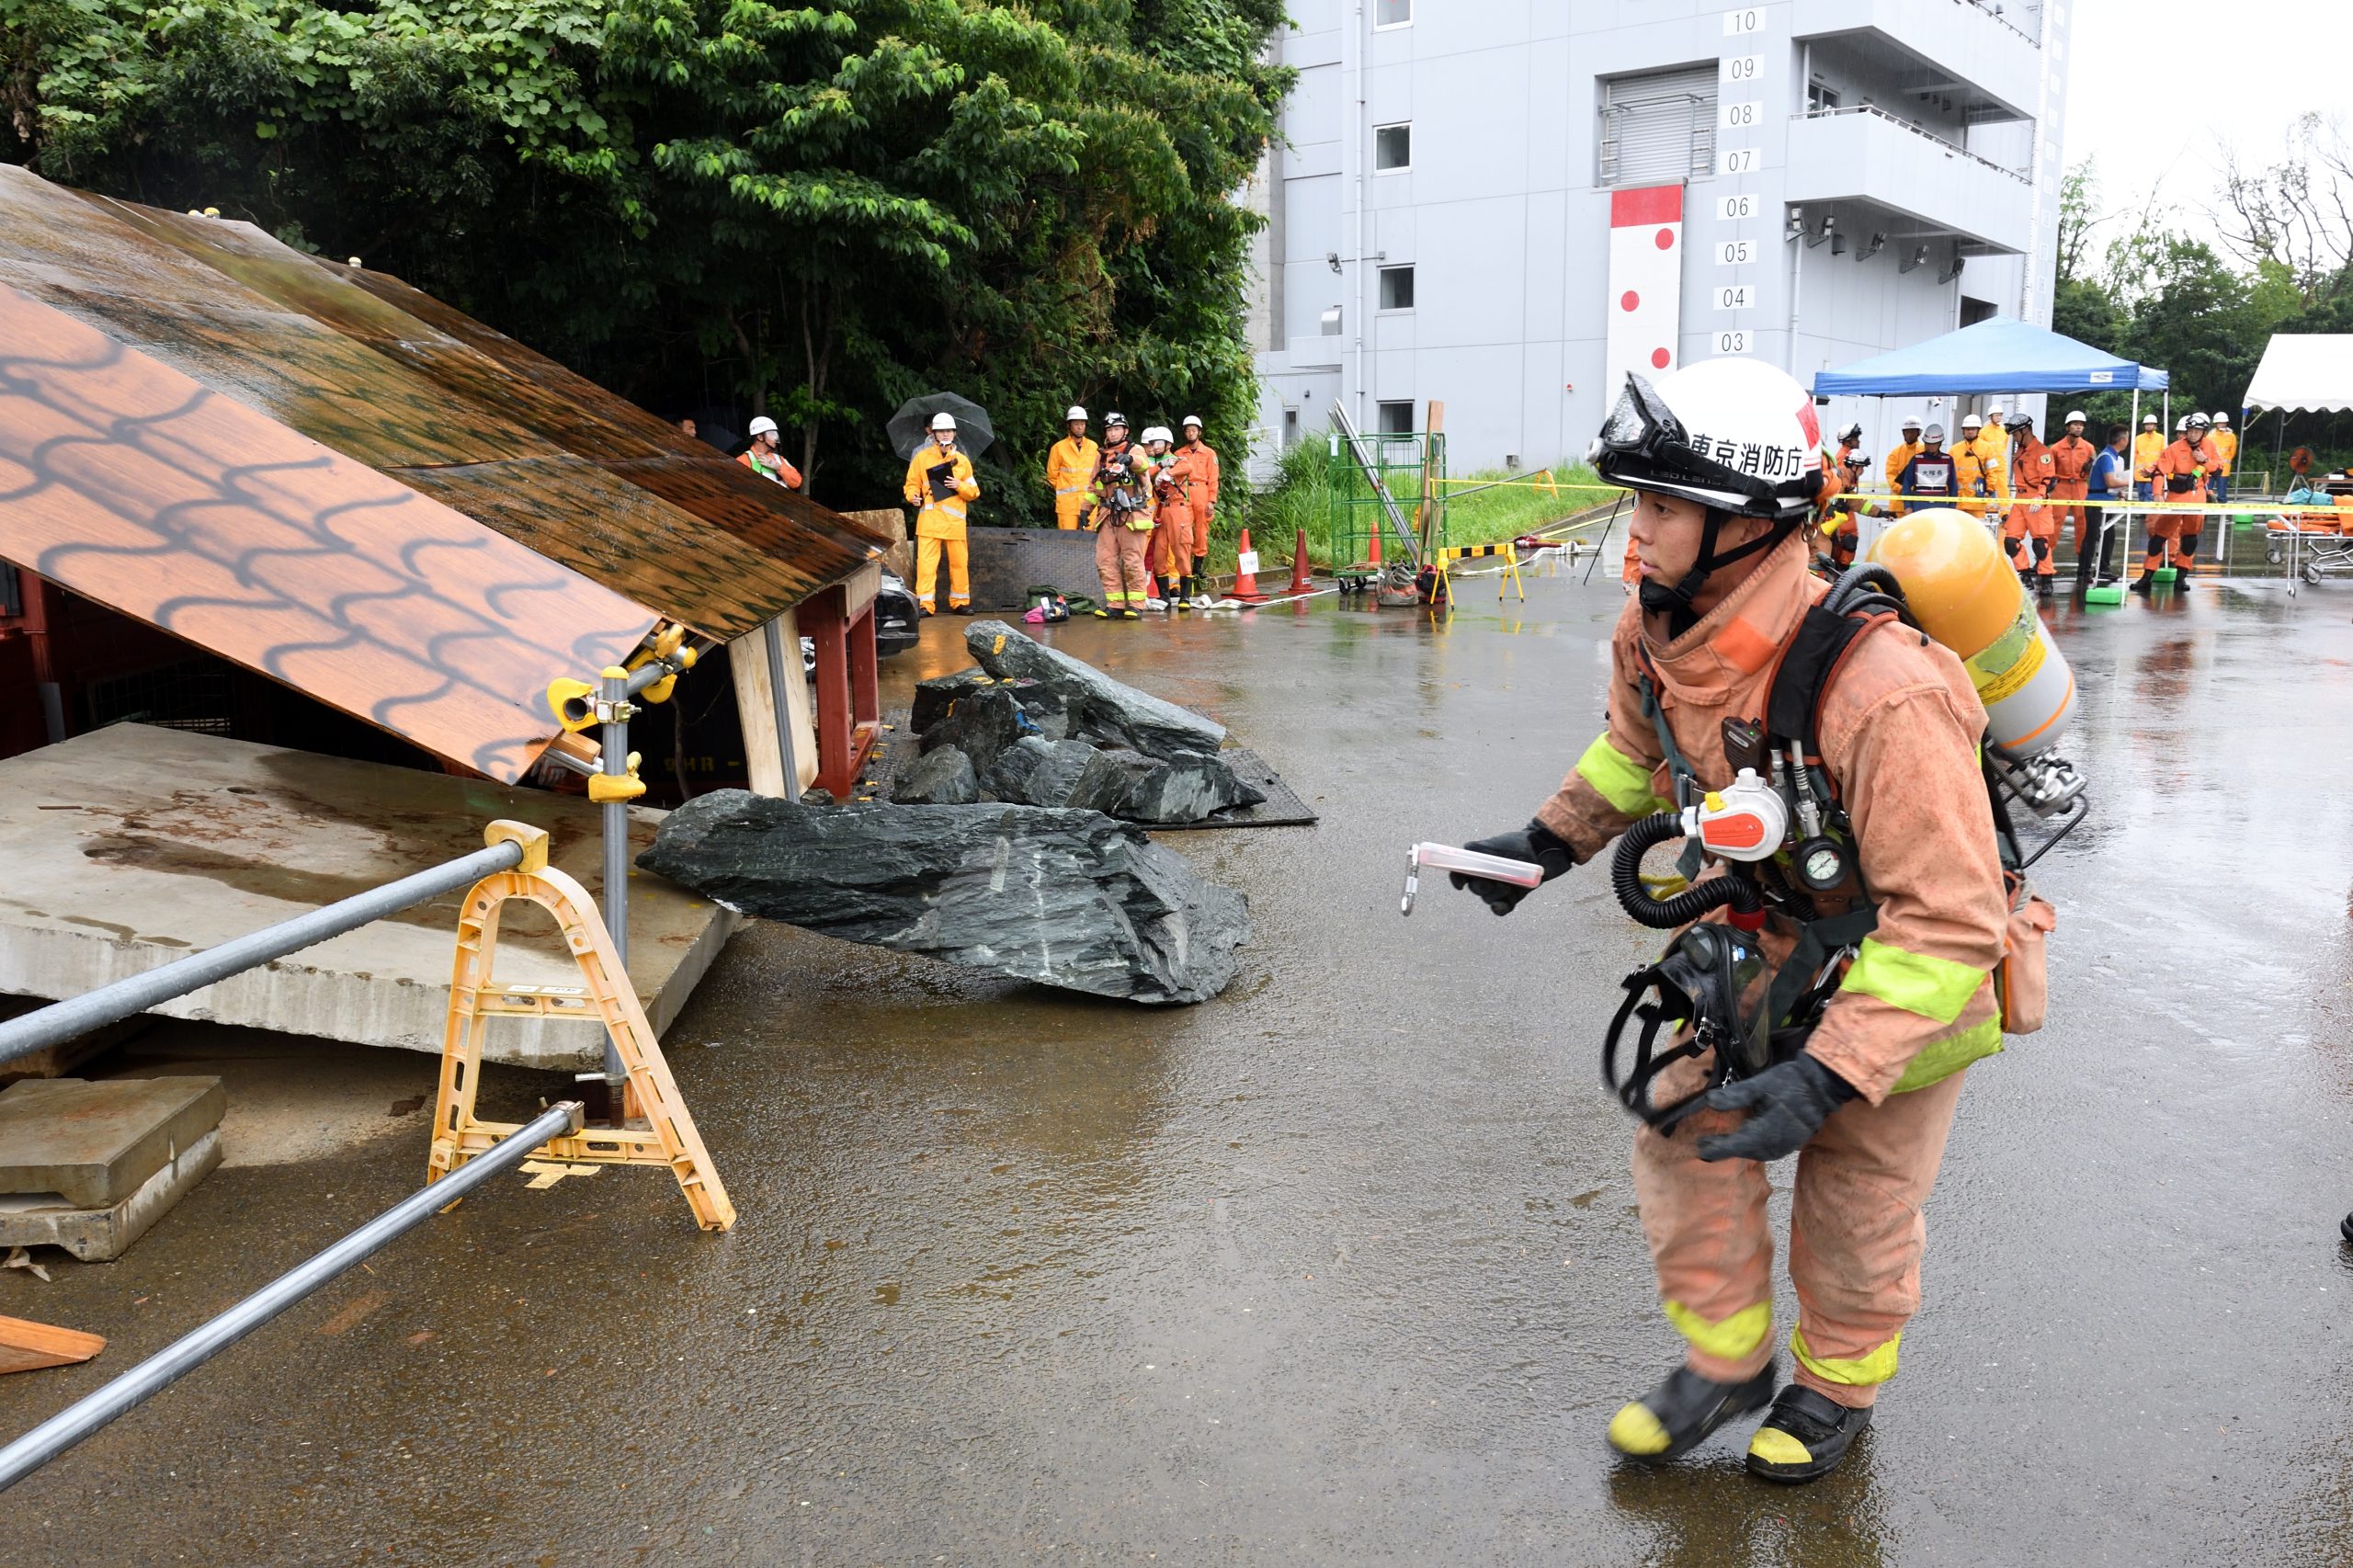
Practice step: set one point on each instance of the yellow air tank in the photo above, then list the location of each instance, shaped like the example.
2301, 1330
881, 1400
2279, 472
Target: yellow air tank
1968, 598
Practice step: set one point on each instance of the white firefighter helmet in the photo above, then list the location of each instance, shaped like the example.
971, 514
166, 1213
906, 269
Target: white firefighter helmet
1852, 435
1934, 434
2200, 422
1113, 418
1156, 433
1971, 421
1911, 422
1074, 412
2181, 425
763, 426
2222, 421
1191, 422
2075, 416
2150, 419
1733, 434
943, 422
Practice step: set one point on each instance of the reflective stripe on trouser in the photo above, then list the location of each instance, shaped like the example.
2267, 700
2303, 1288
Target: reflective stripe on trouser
1855, 1235
1069, 507
960, 574
1120, 566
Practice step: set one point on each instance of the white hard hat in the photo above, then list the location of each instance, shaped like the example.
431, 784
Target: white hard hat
2200, 422
1934, 433
943, 422
2149, 419
1156, 433
763, 426
1971, 421
1114, 418
1735, 434
1911, 422
1852, 433
2181, 425
2221, 419
2075, 416
1193, 419
1074, 412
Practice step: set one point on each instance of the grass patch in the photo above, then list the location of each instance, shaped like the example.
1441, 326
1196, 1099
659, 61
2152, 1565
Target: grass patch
1302, 496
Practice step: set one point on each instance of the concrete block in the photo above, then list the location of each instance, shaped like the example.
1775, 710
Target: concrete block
94, 1145
136, 844
101, 1235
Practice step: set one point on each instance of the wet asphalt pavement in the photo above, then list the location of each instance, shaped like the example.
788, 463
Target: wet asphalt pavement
1342, 1266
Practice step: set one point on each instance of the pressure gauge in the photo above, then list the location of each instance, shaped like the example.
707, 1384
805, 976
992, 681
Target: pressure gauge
1822, 864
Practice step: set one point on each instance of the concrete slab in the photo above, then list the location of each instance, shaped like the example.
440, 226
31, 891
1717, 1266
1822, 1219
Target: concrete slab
136, 844
101, 1235
94, 1143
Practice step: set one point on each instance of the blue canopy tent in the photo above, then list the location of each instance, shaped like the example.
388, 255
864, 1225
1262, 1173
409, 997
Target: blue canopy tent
1999, 356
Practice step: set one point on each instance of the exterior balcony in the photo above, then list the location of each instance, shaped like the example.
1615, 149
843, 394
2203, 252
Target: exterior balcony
1866, 157
1988, 54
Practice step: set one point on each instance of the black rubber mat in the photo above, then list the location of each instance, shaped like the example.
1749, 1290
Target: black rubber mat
1281, 808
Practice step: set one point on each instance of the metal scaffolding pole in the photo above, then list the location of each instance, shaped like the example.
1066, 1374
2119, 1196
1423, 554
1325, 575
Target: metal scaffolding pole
109, 1003
192, 1350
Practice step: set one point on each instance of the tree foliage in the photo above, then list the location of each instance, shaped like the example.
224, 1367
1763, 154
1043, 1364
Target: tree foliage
811, 211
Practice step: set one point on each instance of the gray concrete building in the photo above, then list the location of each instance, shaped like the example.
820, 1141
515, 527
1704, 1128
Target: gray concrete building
1846, 177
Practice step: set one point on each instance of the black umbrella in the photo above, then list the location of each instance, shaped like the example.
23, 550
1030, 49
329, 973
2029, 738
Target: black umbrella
910, 427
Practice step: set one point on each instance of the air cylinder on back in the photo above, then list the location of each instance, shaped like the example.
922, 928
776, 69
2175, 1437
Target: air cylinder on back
1967, 597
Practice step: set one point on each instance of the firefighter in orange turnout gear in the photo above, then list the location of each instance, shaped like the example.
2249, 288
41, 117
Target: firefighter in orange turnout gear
2031, 527
2071, 469
1719, 456
2179, 476
1070, 469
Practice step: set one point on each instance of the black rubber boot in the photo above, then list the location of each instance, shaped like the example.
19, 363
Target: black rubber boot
2181, 579
1804, 1438
1676, 1416
2143, 584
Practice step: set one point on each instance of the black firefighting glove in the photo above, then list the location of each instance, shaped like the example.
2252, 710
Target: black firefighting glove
1786, 1105
1536, 844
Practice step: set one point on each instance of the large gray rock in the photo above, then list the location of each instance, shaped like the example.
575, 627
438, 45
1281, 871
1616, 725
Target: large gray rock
1066, 898
981, 723
943, 778
1101, 710
1130, 785
1034, 771
937, 697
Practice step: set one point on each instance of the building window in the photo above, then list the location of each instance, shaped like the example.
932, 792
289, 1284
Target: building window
1393, 13
1290, 429
1659, 127
1392, 147
1397, 418
1397, 288
1976, 311
1820, 100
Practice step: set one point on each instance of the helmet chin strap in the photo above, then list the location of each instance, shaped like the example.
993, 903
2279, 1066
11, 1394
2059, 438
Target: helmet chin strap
1674, 603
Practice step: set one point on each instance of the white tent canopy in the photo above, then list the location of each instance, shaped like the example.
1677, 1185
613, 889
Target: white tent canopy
2311, 372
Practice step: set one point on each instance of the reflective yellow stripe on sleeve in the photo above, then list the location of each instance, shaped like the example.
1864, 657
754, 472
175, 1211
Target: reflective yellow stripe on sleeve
1933, 988
1620, 779
1940, 1058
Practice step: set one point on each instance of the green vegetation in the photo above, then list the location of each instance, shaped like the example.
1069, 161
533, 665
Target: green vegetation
1303, 495
2276, 256
812, 211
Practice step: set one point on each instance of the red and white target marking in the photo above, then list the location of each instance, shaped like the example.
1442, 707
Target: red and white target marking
1646, 282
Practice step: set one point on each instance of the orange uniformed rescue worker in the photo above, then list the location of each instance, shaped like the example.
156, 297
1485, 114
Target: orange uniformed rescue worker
1119, 506
1070, 469
1866, 1102
2226, 442
1896, 460
2071, 474
1978, 464
2030, 526
2179, 473
940, 486
765, 457
1171, 520
1203, 458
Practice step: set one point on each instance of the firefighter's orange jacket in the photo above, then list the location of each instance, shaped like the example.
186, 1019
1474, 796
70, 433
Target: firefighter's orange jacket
1900, 727
940, 518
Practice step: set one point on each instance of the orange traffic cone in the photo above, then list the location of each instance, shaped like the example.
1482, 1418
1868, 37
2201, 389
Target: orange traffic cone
1372, 557
1298, 574
1245, 573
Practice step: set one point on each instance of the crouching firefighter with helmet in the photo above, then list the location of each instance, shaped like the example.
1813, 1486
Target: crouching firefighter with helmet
1832, 978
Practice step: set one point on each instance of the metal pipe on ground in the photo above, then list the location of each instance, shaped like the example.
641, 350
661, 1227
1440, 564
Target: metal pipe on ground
111, 1004
158, 1372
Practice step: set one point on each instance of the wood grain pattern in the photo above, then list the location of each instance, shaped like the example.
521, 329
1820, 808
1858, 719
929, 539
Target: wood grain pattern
137, 486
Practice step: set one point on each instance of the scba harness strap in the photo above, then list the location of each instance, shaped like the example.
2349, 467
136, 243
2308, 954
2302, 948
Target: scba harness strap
1710, 987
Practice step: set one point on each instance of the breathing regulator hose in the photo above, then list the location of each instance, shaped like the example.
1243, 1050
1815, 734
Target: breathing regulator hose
1693, 902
